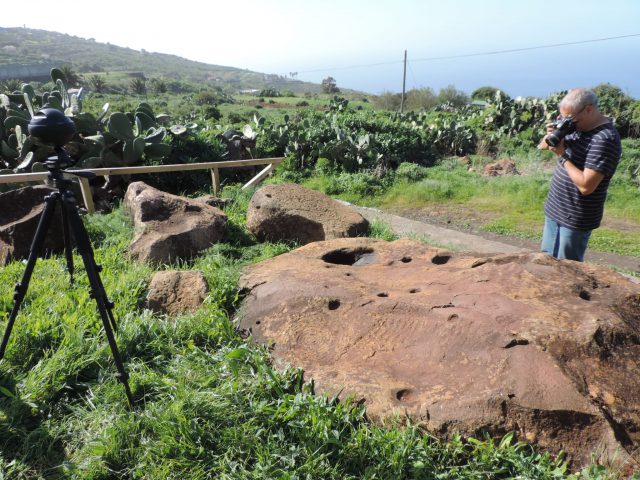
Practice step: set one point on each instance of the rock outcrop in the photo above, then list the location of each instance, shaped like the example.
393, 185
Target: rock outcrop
290, 212
461, 343
173, 292
20, 212
169, 227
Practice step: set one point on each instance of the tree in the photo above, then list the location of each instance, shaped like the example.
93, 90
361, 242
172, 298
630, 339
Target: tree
329, 85
421, 99
139, 86
73, 80
10, 85
452, 96
97, 83
159, 85
388, 100
614, 103
485, 93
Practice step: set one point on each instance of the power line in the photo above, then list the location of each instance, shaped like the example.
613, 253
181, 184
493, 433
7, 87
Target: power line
479, 54
538, 47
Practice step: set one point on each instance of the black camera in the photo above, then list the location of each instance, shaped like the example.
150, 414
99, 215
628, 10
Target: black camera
562, 128
52, 126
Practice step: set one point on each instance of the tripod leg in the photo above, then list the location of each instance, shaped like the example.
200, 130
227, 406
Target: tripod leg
83, 244
67, 243
36, 247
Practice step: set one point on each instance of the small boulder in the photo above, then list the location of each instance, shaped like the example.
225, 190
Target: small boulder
293, 213
169, 227
506, 166
174, 292
20, 212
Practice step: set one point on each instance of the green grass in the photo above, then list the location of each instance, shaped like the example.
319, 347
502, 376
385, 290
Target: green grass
210, 403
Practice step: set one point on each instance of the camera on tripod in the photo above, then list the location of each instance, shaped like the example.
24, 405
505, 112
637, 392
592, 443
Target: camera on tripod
561, 128
51, 126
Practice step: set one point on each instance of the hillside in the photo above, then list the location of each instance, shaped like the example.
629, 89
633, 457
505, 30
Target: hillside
86, 56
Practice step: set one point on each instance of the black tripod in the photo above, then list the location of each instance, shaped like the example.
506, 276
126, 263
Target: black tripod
71, 222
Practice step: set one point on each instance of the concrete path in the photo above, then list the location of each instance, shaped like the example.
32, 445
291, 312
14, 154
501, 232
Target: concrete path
439, 236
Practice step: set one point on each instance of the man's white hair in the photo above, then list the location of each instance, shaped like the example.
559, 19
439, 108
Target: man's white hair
579, 98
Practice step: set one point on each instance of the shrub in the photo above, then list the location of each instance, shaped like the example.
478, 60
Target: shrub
411, 171
211, 112
324, 166
362, 184
630, 161
269, 92
234, 117
484, 93
205, 98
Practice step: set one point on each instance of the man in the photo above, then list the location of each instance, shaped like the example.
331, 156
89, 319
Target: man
588, 159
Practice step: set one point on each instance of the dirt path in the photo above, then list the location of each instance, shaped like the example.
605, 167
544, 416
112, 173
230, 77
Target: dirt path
460, 239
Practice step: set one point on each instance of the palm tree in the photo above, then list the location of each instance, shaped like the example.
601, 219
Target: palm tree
139, 86
10, 85
159, 85
73, 80
98, 83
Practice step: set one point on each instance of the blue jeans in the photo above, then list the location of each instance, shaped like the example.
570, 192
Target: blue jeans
564, 242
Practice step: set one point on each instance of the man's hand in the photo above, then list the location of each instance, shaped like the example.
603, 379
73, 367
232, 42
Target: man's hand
558, 149
543, 145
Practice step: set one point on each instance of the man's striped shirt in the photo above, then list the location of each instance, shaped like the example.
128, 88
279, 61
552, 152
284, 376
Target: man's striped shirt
598, 149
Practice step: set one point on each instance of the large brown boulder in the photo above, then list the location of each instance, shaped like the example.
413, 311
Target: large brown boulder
290, 212
173, 292
461, 343
20, 212
168, 227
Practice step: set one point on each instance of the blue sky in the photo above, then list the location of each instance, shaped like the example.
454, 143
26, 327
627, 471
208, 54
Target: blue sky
337, 38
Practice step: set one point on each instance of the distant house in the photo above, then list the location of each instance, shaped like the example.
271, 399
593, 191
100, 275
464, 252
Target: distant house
39, 72
250, 91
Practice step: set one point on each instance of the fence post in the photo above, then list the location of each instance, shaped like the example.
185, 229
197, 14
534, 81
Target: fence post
85, 188
215, 177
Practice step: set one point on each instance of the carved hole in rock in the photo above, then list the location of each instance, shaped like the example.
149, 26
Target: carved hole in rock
334, 304
258, 322
440, 259
345, 256
268, 195
348, 274
406, 259
414, 290
584, 295
453, 316
383, 294
404, 395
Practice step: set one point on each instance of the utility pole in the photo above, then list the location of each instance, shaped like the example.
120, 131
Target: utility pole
404, 82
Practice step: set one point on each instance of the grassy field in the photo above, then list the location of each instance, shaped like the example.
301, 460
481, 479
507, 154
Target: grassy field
210, 404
